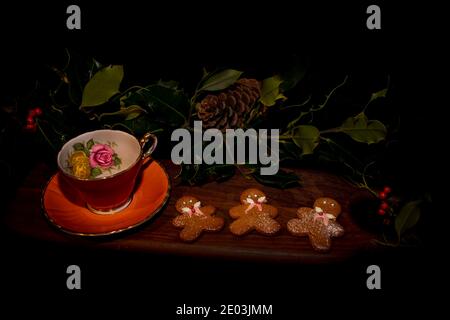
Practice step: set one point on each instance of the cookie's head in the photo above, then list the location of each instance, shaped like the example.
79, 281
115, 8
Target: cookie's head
328, 205
185, 202
253, 194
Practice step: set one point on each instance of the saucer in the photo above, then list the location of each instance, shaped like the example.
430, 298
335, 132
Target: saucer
64, 209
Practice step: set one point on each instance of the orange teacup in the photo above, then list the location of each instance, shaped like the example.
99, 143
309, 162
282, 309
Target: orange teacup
103, 165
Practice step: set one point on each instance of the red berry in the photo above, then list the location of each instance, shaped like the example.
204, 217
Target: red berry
382, 195
384, 205
30, 127
38, 111
381, 212
387, 189
30, 120
32, 113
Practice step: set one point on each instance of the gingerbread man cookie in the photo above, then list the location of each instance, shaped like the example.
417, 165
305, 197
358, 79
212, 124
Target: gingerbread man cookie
318, 223
195, 219
254, 214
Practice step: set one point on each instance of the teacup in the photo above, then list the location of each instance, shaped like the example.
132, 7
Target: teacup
103, 166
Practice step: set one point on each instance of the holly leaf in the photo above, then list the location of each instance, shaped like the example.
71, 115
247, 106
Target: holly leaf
306, 137
129, 113
407, 218
294, 75
280, 180
189, 173
270, 91
221, 80
220, 172
102, 86
361, 129
289, 150
141, 125
163, 104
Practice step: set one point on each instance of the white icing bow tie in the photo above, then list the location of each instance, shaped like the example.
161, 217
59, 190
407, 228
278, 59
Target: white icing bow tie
194, 210
326, 217
257, 204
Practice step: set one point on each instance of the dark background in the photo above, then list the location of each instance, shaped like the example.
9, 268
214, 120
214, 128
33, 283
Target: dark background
174, 40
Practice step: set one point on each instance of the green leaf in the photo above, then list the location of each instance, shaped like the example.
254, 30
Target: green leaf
117, 160
78, 146
306, 137
95, 172
289, 150
102, 86
408, 217
171, 84
133, 115
89, 144
139, 126
220, 172
75, 74
129, 113
221, 80
270, 91
189, 172
361, 129
294, 75
96, 64
205, 73
165, 105
379, 94
281, 180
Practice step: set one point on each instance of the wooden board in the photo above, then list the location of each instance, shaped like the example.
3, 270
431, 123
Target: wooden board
25, 217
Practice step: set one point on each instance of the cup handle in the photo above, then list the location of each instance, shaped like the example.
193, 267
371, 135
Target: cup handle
144, 140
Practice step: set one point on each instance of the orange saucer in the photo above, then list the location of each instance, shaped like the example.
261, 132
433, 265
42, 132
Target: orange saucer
65, 210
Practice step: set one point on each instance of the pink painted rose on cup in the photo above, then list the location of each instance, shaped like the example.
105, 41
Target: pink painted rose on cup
101, 155
91, 159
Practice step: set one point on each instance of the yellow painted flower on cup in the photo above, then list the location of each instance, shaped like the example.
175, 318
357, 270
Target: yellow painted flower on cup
80, 165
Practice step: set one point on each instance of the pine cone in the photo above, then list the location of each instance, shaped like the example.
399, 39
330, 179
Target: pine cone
228, 109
